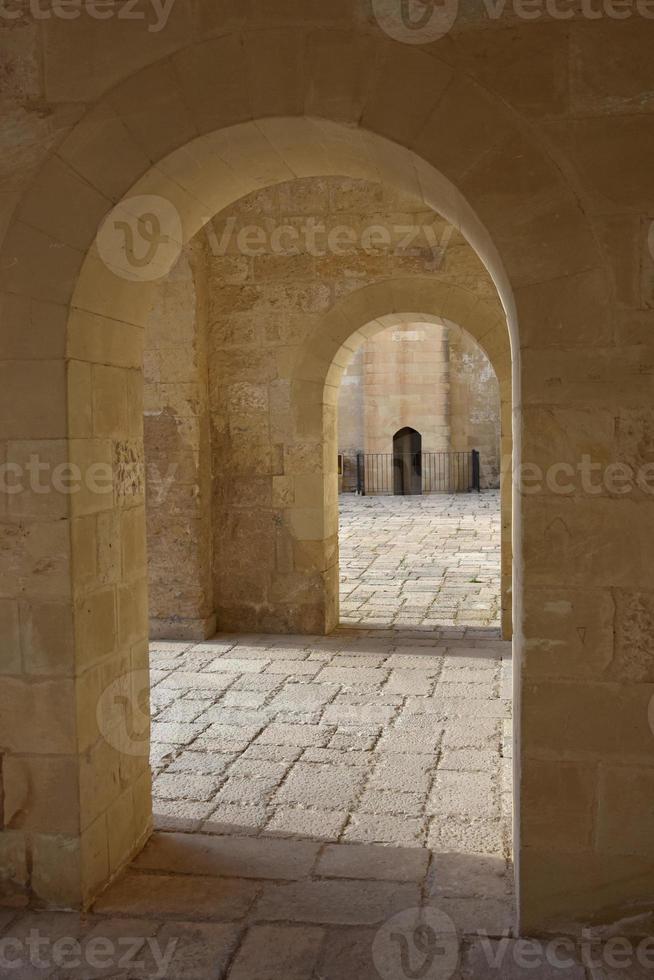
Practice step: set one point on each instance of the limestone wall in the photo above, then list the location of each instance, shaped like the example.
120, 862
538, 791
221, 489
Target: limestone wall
474, 404
433, 378
406, 383
277, 262
178, 453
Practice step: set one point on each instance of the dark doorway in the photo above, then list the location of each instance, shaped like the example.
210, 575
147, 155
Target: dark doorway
407, 461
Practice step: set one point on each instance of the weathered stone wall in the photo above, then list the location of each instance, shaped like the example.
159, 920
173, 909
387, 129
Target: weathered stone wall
406, 383
474, 404
178, 453
277, 261
435, 379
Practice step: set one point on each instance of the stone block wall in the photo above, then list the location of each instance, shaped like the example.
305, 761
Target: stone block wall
435, 379
474, 404
178, 453
277, 262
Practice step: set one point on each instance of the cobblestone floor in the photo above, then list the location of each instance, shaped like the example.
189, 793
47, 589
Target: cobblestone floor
420, 561
309, 789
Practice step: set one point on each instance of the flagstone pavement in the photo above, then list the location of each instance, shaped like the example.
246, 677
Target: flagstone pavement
317, 799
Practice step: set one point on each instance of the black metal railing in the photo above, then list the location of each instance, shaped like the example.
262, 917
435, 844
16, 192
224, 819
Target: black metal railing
416, 473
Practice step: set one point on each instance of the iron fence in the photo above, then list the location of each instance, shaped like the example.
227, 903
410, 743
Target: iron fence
416, 473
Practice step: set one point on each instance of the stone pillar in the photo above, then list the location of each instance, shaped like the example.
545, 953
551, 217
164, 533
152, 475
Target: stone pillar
350, 419
474, 404
178, 454
74, 717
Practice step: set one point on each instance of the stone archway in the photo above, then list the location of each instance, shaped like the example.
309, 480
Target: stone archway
187, 136
317, 378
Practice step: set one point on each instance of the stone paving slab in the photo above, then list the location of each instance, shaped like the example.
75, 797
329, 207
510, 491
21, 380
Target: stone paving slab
410, 560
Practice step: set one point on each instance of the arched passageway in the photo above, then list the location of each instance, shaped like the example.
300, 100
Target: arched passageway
74, 311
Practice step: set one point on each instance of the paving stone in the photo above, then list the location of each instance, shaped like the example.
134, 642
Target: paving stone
258, 682
468, 876
235, 819
329, 786
358, 713
385, 829
377, 863
487, 959
336, 902
249, 791
176, 732
352, 677
265, 769
409, 740
201, 951
351, 757
347, 955
475, 916
301, 735
273, 753
358, 738
213, 763
302, 822
243, 699
466, 836
390, 801
106, 945
359, 659
180, 814
185, 786
197, 681
480, 733
411, 681
186, 895
300, 697
465, 795
470, 760
293, 668
235, 666
230, 738
278, 953
410, 661
233, 857
403, 773
162, 753
240, 717
183, 711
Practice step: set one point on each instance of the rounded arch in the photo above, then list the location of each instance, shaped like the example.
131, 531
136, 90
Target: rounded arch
200, 129
360, 315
